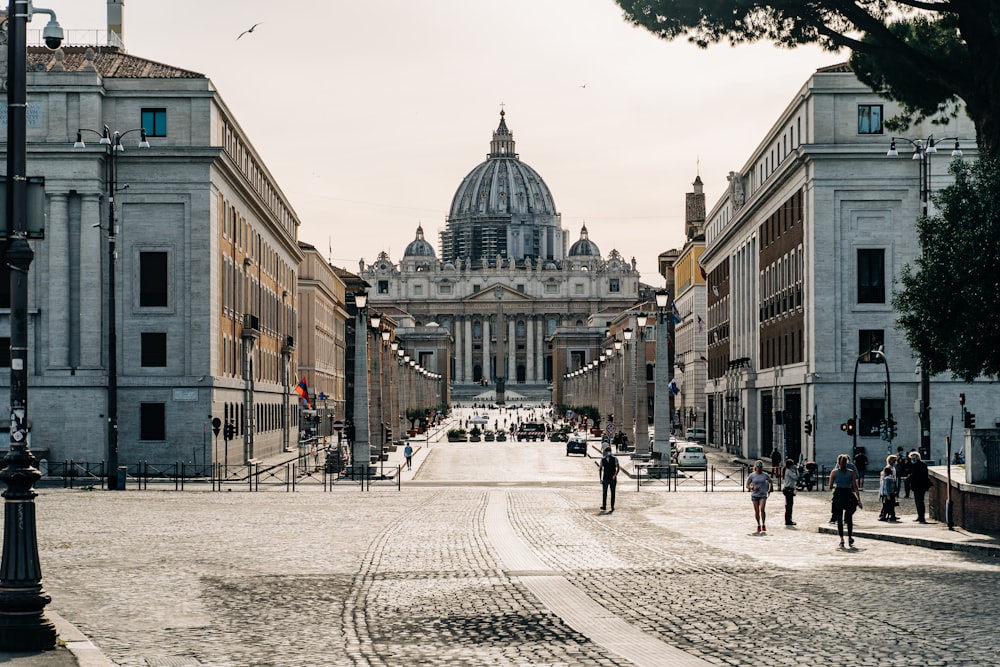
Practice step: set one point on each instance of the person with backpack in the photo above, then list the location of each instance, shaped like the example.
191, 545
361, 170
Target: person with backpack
608, 472
887, 494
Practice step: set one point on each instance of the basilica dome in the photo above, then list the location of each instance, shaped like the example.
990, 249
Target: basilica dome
419, 247
584, 247
504, 209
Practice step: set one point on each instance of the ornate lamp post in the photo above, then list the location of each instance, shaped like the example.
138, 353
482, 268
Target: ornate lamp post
23, 625
642, 410
923, 149
661, 377
360, 448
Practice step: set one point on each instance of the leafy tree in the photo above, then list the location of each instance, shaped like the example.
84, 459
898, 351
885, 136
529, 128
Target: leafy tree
925, 54
949, 302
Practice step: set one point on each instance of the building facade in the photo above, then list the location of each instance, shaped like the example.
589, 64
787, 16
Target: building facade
801, 257
505, 281
205, 267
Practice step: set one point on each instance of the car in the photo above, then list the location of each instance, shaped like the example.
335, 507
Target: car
692, 456
577, 445
696, 435
559, 436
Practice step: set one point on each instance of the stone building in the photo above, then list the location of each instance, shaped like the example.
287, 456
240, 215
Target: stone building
801, 255
507, 277
205, 267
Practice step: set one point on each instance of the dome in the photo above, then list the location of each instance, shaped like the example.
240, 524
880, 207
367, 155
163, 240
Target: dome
419, 247
584, 247
502, 185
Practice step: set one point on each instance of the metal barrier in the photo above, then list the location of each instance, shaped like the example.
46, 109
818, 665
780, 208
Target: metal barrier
75, 473
726, 477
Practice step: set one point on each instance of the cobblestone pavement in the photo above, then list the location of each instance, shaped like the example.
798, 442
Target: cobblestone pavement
416, 577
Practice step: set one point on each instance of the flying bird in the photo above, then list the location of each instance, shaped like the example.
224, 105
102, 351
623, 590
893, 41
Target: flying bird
248, 30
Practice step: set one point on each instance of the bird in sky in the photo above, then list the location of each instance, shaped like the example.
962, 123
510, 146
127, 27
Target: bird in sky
248, 30
584, 86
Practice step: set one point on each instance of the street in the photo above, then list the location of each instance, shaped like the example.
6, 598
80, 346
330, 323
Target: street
497, 553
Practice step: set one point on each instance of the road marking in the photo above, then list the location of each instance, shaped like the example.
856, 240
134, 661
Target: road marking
572, 605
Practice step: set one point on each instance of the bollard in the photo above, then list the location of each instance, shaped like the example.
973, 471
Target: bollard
122, 473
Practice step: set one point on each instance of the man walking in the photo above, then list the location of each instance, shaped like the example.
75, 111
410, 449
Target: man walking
608, 473
920, 482
408, 453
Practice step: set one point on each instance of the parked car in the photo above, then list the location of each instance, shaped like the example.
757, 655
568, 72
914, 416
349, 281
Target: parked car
577, 444
696, 435
692, 456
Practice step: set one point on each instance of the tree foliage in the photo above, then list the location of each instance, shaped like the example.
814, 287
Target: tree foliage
926, 54
950, 301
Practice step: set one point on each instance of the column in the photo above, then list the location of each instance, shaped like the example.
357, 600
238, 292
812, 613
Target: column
511, 351
529, 350
59, 282
540, 348
487, 371
92, 291
457, 333
467, 357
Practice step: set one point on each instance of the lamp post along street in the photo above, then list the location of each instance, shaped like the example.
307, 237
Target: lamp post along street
112, 143
641, 444
360, 447
661, 377
23, 625
923, 149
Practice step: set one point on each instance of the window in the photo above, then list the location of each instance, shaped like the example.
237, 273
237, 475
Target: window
154, 121
153, 279
154, 349
578, 288
871, 275
551, 288
444, 289
869, 119
614, 285
383, 287
152, 421
868, 340
5, 352
418, 290
872, 413
520, 288
476, 288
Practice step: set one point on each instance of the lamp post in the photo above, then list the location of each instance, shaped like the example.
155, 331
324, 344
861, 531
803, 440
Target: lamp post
112, 143
641, 401
360, 448
661, 377
629, 379
854, 399
923, 149
23, 625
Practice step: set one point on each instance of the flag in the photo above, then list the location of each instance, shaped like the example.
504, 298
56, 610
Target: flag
701, 324
303, 391
704, 276
676, 313
673, 388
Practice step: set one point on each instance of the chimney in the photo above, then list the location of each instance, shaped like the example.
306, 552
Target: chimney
116, 23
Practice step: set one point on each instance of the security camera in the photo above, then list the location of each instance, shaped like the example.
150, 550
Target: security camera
53, 35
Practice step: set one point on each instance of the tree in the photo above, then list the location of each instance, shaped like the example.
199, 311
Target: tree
926, 54
948, 304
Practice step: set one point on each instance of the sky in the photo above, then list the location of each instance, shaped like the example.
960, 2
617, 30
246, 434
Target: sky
370, 114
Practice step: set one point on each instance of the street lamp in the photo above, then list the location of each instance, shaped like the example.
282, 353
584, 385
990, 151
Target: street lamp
112, 143
891, 423
23, 625
641, 401
923, 149
360, 448
661, 378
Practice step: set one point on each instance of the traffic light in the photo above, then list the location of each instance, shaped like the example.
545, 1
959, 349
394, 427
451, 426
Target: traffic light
809, 427
883, 429
850, 427
229, 431
970, 420
843, 427
961, 399
892, 428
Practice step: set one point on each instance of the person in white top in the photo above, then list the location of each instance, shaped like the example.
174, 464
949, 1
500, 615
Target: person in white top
759, 486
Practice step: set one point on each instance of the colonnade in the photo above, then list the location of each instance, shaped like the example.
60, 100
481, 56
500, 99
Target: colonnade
465, 332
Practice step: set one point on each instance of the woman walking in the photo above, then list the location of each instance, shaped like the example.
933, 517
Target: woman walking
846, 497
759, 486
789, 480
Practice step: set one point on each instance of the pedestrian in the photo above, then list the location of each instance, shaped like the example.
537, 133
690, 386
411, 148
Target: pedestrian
861, 465
902, 472
776, 459
608, 473
846, 497
789, 480
920, 481
408, 453
887, 494
759, 486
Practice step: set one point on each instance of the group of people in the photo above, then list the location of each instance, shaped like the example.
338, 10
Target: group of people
905, 472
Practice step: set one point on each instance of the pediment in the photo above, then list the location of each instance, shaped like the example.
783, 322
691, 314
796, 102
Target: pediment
489, 295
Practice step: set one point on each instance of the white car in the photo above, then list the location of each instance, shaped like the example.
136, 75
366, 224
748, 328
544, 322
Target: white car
696, 435
692, 456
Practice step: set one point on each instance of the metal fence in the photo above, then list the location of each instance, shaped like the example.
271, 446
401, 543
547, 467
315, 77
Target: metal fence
713, 478
292, 475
